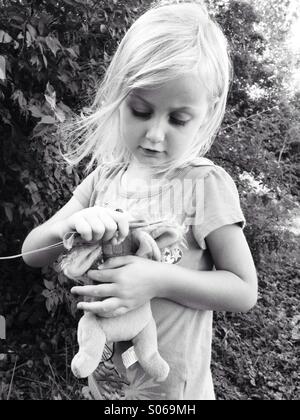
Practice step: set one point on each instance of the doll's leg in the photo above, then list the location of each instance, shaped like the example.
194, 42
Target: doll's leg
147, 247
145, 346
91, 340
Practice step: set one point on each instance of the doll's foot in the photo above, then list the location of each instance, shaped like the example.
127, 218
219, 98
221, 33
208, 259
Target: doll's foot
91, 340
84, 365
158, 368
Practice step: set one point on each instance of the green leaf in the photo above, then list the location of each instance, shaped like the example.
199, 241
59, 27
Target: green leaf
35, 61
32, 31
45, 61
40, 130
60, 115
53, 44
49, 284
2, 68
5, 38
18, 96
50, 96
28, 39
47, 119
72, 52
35, 111
8, 208
63, 78
64, 108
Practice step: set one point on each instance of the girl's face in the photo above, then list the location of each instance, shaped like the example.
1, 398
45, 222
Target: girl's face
160, 124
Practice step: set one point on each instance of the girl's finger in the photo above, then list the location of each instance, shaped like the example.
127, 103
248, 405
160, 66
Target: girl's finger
120, 311
123, 226
83, 228
110, 225
97, 228
122, 220
105, 308
102, 276
99, 291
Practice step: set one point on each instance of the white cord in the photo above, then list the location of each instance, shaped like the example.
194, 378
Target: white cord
31, 252
134, 224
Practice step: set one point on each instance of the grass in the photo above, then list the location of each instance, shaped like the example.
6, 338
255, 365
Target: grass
256, 356
40, 378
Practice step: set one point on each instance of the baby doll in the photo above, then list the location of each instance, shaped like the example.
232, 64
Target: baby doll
160, 241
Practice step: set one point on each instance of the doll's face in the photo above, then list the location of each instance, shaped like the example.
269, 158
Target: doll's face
145, 241
160, 124
79, 260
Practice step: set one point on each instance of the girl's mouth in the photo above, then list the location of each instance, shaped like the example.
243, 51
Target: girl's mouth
150, 152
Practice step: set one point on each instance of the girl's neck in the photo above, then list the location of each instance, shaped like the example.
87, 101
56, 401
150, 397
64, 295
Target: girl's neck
136, 173
137, 170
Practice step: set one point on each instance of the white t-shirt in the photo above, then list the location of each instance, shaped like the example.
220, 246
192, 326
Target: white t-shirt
204, 197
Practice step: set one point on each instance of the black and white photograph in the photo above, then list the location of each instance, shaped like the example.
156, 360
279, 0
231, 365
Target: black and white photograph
149, 202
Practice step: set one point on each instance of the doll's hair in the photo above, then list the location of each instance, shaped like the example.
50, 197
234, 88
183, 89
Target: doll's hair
171, 39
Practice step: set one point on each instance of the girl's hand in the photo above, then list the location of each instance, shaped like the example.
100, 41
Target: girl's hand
126, 283
97, 223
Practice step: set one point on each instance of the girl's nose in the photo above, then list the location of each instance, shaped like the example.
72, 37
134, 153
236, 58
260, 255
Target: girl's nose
156, 132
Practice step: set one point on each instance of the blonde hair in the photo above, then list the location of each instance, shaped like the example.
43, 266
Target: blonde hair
170, 39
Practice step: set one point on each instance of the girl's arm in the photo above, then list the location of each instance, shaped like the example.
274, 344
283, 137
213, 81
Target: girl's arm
92, 223
49, 233
128, 282
233, 287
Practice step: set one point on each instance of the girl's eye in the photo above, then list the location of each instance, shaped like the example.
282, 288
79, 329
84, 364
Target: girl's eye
146, 115
140, 114
178, 122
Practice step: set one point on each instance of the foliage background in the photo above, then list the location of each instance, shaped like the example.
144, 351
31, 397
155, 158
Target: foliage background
52, 55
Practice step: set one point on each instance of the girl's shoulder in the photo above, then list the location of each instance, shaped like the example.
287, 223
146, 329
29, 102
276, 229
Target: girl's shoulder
109, 170
104, 171
213, 180
207, 170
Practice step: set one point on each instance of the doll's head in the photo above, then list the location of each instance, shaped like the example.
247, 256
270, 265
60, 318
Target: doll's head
173, 55
161, 241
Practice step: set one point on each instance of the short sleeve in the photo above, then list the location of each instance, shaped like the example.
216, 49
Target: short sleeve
83, 192
220, 205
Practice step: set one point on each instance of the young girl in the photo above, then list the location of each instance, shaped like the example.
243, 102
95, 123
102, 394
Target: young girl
155, 116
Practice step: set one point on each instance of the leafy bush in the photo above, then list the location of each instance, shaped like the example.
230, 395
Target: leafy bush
52, 56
